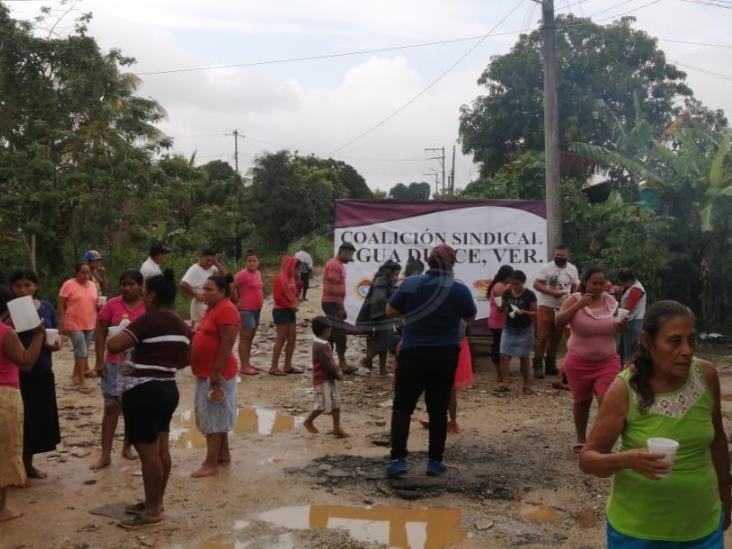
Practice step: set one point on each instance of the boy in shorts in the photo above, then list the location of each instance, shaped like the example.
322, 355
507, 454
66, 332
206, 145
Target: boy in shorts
326, 375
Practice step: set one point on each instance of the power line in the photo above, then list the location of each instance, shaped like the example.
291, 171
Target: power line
429, 86
703, 70
712, 3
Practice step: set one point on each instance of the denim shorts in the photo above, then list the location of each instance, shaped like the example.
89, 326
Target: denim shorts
616, 540
109, 384
249, 320
283, 316
81, 340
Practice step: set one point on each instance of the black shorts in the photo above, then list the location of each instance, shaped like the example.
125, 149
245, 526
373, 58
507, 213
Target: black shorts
148, 409
283, 316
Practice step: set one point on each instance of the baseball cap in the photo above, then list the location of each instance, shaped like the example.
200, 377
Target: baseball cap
157, 249
92, 255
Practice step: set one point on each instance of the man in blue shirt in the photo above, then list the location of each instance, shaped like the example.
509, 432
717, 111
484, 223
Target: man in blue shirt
432, 304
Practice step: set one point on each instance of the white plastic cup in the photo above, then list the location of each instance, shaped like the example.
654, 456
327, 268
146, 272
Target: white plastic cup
498, 300
23, 313
102, 300
51, 336
113, 331
623, 314
666, 446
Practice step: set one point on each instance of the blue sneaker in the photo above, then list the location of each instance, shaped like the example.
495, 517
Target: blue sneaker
396, 468
435, 468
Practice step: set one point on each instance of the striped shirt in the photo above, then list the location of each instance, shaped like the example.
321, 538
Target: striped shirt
161, 347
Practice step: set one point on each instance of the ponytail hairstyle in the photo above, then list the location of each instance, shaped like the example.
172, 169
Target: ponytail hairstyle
223, 283
503, 274
655, 318
588, 274
163, 286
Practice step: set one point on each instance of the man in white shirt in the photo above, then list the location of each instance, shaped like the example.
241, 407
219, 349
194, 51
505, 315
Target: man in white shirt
554, 283
194, 279
151, 266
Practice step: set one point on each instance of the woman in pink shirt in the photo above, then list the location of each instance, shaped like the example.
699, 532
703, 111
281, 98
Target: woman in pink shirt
113, 318
77, 310
248, 290
592, 361
13, 355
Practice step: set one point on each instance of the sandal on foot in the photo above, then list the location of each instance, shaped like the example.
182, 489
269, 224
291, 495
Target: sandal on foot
577, 448
293, 371
560, 386
528, 391
135, 521
277, 373
502, 389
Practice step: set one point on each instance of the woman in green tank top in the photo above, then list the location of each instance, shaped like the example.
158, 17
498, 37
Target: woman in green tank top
669, 393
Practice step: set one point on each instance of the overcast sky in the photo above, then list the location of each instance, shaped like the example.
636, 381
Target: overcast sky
319, 106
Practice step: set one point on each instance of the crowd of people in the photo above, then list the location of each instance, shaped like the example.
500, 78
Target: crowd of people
649, 384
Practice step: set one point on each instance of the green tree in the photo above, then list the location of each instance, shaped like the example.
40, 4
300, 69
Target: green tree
413, 191
600, 68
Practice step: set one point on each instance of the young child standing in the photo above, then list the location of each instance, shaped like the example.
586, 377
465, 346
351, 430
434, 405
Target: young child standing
325, 379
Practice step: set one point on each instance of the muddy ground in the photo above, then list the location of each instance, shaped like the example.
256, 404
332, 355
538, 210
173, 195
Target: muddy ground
513, 480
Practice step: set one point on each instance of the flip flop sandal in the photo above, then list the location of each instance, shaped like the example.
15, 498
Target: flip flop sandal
135, 508
502, 389
277, 373
249, 371
577, 448
559, 386
293, 371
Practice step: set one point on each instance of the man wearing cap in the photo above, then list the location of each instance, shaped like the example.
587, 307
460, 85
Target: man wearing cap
432, 306
98, 273
334, 296
151, 266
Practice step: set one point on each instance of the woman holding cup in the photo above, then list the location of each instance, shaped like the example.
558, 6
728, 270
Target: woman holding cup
115, 315
77, 309
592, 360
661, 491
215, 368
41, 431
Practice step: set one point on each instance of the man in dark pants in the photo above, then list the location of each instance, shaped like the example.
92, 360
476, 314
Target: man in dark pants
432, 304
334, 296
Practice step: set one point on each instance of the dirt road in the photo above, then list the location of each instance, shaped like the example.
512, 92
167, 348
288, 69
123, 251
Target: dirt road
512, 481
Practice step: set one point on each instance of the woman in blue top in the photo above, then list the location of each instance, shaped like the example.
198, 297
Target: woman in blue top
41, 431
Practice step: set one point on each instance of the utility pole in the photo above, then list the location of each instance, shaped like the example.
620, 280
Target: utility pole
452, 173
551, 129
236, 135
441, 158
436, 175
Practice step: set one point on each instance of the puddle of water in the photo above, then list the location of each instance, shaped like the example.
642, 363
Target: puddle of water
539, 514
393, 526
183, 432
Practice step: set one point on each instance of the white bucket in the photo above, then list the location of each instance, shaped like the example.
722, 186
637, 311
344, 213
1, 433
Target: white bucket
23, 313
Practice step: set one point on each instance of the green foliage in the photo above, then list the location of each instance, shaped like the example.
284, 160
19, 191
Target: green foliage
413, 191
521, 178
601, 70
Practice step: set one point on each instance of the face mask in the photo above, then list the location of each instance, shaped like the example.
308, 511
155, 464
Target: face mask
560, 261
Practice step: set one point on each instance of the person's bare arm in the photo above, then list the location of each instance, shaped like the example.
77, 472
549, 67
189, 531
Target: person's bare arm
120, 343
100, 342
219, 266
597, 457
544, 288
188, 289
62, 315
20, 356
234, 295
720, 451
227, 333
569, 309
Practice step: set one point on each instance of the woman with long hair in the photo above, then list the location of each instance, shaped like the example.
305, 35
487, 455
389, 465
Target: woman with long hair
248, 291
286, 294
592, 360
41, 432
157, 346
665, 392
496, 314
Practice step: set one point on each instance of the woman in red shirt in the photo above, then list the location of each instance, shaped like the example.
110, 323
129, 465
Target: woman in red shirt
213, 363
286, 302
248, 291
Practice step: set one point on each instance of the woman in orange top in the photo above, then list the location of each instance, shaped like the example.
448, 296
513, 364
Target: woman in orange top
78, 301
213, 363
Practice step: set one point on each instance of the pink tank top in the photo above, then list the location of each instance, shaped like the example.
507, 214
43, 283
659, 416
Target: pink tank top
496, 319
593, 331
9, 373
